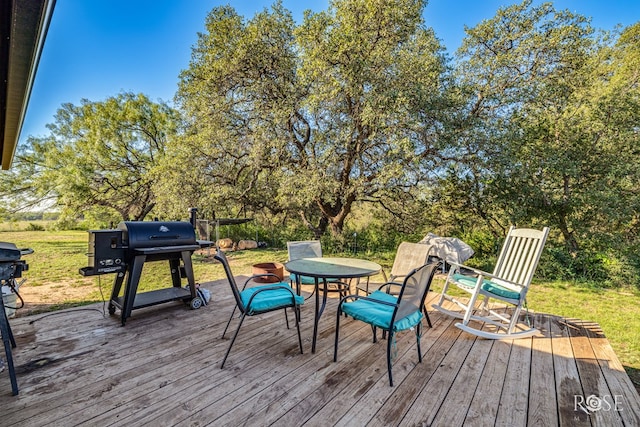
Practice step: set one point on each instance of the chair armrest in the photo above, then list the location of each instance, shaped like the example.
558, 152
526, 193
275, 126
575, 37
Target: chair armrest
366, 298
255, 276
475, 270
482, 273
389, 285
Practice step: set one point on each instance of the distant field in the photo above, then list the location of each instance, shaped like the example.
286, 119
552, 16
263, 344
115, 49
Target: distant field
23, 225
53, 282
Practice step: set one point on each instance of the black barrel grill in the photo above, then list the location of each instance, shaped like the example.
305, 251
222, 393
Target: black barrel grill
125, 250
11, 268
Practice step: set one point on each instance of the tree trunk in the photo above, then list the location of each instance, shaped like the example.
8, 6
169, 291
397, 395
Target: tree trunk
337, 214
569, 238
145, 212
318, 230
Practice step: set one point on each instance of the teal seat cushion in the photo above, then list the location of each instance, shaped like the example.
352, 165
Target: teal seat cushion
378, 314
500, 290
488, 286
467, 281
305, 280
270, 299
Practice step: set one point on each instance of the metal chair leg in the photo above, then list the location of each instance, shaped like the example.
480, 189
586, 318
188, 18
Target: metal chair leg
335, 346
286, 318
232, 341
297, 315
389, 344
424, 310
418, 335
229, 322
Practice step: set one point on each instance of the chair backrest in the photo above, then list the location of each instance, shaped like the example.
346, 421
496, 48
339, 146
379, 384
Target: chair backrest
414, 290
222, 258
304, 249
409, 256
519, 256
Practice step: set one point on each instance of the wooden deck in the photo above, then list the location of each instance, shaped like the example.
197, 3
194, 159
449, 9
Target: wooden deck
78, 367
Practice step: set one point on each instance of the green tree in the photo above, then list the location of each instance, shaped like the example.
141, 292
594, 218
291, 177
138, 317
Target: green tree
313, 118
237, 96
376, 82
540, 156
616, 110
98, 157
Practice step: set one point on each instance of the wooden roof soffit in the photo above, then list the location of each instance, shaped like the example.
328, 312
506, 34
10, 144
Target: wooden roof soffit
23, 29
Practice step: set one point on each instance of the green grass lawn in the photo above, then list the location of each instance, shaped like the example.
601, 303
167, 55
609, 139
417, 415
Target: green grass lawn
59, 254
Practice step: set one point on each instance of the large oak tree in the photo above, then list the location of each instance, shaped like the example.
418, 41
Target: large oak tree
312, 118
545, 152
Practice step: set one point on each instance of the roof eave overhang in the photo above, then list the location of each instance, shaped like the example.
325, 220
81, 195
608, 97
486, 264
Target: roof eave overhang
23, 29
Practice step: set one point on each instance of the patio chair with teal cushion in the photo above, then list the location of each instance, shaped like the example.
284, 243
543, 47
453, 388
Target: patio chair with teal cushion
508, 284
258, 300
409, 256
389, 312
312, 249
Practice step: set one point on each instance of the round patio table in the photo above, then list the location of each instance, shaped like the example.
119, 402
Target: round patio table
323, 268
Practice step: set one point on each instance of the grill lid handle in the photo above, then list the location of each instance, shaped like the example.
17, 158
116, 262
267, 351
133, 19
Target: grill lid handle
164, 236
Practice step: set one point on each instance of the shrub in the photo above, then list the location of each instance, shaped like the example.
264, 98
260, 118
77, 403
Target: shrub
484, 244
597, 269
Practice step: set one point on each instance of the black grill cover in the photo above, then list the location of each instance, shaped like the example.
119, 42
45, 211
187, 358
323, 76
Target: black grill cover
9, 252
149, 234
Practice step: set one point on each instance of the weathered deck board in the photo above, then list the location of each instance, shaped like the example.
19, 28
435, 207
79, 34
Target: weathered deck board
591, 377
542, 410
512, 410
484, 404
617, 379
435, 390
454, 408
567, 378
80, 368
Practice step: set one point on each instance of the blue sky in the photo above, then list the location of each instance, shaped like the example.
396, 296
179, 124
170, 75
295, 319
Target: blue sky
99, 48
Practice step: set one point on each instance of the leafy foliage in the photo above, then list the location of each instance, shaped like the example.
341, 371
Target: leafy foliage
311, 119
98, 158
550, 131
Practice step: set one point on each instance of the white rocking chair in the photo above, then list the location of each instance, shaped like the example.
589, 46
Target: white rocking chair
508, 283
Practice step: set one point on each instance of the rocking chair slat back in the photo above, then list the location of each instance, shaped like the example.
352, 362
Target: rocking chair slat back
520, 255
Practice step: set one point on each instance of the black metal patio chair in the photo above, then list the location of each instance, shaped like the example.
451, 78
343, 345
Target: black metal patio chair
389, 312
255, 300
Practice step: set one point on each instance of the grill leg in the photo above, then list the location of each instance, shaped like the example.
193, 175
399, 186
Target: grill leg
9, 342
133, 278
117, 285
174, 266
188, 269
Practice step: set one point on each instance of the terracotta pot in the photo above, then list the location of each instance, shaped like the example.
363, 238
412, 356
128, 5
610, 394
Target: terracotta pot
268, 267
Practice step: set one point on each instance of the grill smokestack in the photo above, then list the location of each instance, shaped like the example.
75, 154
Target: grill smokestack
193, 216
